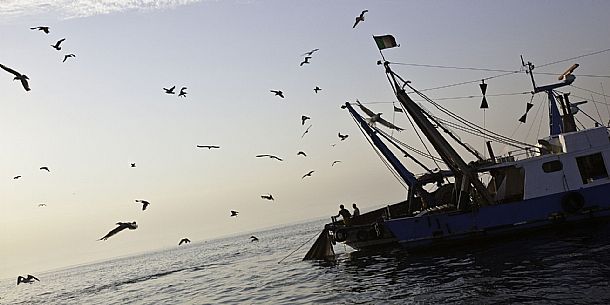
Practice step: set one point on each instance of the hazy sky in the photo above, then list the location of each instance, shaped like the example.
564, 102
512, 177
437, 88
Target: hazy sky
88, 118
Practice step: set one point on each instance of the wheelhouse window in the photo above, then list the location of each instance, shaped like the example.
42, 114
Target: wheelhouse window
552, 166
591, 168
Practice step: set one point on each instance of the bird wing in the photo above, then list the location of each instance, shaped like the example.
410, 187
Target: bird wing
181, 242
277, 158
145, 205
122, 226
362, 13
20, 279
9, 70
355, 23
59, 42
388, 124
24, 83
365, 110
31, 277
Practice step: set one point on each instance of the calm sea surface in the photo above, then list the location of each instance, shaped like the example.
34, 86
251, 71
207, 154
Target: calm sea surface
568, 267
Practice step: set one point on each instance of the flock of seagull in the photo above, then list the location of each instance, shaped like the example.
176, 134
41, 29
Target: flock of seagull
120, 226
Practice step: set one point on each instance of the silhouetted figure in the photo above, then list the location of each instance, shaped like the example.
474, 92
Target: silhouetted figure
68, 56
268, 197
56, 45
184, 241
345, 214
16, 177
144, 203
18, 76
316, 89
182, 92
343, 137
335, 162
170, 90
303, 119
278, 93
253, 238
208, 146
305, 61
45, 29
269, 156
359, 18
234, 213
310, 52
121, 226
133, 165
307, 175
356, 211
45, 168
306, 131
29, 279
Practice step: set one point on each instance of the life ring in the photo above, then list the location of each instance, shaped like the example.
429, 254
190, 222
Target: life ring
572, 202
340, 235
362, 235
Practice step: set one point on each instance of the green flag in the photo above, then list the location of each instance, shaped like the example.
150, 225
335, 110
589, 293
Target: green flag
385, 41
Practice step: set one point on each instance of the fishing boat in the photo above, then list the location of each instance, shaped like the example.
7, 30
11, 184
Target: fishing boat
562, 179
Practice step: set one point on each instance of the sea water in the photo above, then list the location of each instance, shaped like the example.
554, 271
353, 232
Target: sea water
559, 267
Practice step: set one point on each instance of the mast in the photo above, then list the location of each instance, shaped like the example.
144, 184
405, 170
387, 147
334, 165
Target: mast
456, 164
404, 173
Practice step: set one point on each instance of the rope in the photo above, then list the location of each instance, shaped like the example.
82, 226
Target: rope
295, 250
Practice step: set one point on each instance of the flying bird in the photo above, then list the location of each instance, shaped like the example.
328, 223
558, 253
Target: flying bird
303, 119
302, 153
306, 60
310, 52
18, 76
253, 238
16, 177
268, 197
316, 89
45, 168
208, 146
30, 279
133, 165
342, 137
360, 18
121, 226
170, 90
42, 205
68, 56
56, 45
335, 162
182, 92
307, 175
270, 156
376, 118
184, 241
278, 93
144, 203
234, 213
306, 131
45, 29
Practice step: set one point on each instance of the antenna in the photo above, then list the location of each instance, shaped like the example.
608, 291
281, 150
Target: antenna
530, 68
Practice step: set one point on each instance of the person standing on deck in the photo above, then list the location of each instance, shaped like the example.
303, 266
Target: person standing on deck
343, 212
356, 211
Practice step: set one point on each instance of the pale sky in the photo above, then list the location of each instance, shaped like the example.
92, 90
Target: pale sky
87, 119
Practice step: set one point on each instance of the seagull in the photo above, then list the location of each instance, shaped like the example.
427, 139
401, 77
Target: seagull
270, 156
133, 165
306, 131
306, 61
121, 226
16, 177
30, 279
360, 18
316, 89
310, 52
18, 76
335, 162
45, 29
184, 241
144, 203
268, 197
182, 92
208, 146
42, 205
45, 168
253, 238
303, 119
68, 56
307, 175
234, 213
343, 137
278, 93
376, 118
302, 153
170, 90
56, 45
